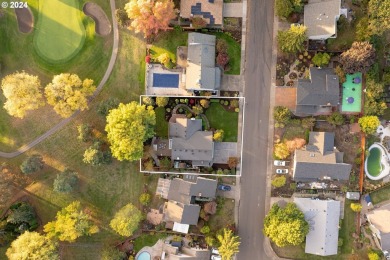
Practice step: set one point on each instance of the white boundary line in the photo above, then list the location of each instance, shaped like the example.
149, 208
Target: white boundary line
242, 99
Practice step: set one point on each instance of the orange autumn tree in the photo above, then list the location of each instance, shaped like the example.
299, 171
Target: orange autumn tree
150, 16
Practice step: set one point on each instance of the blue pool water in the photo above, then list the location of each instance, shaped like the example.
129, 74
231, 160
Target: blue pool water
165, 80
144, 256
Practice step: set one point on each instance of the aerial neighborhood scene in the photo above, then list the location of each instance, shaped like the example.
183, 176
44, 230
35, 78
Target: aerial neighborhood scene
194, 129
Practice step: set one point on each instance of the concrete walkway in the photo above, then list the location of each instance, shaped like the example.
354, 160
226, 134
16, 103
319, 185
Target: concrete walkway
64, 122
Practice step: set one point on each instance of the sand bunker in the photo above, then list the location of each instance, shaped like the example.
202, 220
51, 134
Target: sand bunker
102, 24
25, 19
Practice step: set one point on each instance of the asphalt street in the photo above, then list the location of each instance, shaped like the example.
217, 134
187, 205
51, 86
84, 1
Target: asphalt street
257, 94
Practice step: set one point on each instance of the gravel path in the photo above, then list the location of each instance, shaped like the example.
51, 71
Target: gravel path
64, 122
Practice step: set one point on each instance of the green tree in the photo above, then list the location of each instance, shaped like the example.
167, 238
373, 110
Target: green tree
279, 181
164, 59
128, 127
291, 40
362, 31
282, 116
71, 222
95, 156
162, 101
126, 220
112, 253
369, 124
321, 59
24, 212
32, 245
32, 164
378, 12
357, 207
283, 8
229, 244
121, 17
285, 226
23, 92
218, 135
85, 132
66, 181
308, 122
359, 58
298, 5
335, 119
148, 101
144, 198
373, 102
340, 73
281, 151
67, 93
106, 105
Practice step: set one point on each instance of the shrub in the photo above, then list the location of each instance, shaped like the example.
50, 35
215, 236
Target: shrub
222, 59
237, 110
95, 156
85, 132
296, 143
232, 162
293, 186
218, 135
205, 103
234, 103
282, 116
281, 151
197, 109
144, 198
32, 164
164, 59
221, 46
149, 165
162, 101
321, 59
65, 181
357, 207
198, 23
149, 101
105, 106
335, 119
279, 181
358, 161
205, 230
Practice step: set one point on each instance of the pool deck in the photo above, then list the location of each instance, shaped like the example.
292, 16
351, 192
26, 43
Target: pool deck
353, 90
159, 91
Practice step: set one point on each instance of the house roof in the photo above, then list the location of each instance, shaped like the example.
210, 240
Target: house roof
320, 159
211, 11
323, 217
353, 195
183, 191
189, 142
320, 17
321, 90
181, 213
201, 72
379, 218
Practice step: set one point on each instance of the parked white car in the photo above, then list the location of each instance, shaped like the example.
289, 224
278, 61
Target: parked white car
280, 163
281, 171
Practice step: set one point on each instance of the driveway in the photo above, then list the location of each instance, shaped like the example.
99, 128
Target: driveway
231, 83
232, 194
232, 10
224, 150
257, 93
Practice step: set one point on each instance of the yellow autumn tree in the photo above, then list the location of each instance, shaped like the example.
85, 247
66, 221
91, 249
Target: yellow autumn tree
67, 93
150, 16
23, 92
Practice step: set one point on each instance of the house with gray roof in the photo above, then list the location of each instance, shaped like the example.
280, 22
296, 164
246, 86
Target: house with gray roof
320, 18
380, 225
182, 196
323, 217
209, 10
201, 72
189, 143
320, 160
320, 94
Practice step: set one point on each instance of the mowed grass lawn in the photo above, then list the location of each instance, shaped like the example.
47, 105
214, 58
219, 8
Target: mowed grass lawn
59, 33
161, 127
380, 195
219, 118
103, 189
17, 53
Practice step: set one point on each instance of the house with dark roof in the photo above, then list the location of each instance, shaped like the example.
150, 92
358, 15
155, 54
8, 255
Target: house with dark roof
323, 217
189, 143
318, 95
320, 160
380, 225
182, 197
209, 10
201, 72
320, 18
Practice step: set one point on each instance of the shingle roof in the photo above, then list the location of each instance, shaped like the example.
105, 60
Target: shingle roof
323, 217
201, 72
321, 90
182, 213
320, 17
211, 11
320, 159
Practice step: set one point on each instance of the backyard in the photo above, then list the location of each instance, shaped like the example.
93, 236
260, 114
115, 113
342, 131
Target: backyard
380, 195
161, 127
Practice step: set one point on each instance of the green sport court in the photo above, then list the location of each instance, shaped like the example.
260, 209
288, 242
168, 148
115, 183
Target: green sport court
60, 33
352, 93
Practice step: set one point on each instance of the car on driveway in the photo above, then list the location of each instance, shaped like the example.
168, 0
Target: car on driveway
281, 171
280, 163
224, 187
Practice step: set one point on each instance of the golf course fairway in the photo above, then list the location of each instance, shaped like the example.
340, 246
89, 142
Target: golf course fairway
60, 33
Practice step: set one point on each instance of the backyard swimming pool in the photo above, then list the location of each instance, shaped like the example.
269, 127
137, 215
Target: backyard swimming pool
161, 80
144, 256
377, 163
374, 165
352, 93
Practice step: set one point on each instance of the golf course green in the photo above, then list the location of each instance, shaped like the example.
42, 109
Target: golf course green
59, 33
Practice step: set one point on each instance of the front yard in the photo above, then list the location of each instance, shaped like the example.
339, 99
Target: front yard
219, 118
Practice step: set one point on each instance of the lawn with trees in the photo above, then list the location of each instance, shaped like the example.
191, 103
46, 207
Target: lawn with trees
227, 121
